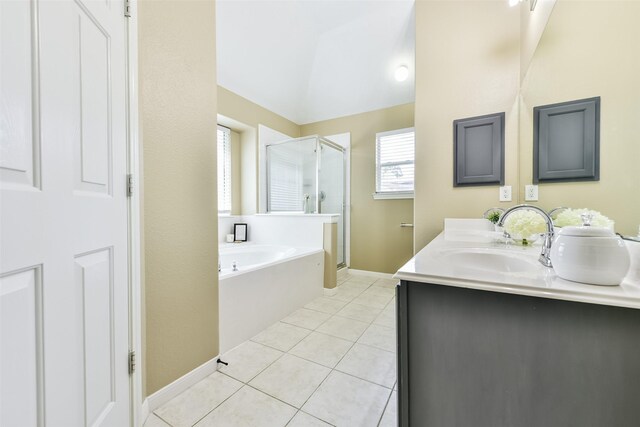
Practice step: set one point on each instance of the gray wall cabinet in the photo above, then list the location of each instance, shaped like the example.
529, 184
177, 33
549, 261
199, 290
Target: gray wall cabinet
566, 141
470, 358
479, 150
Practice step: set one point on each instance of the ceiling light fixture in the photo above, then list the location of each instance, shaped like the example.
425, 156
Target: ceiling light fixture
402, 73
532, 3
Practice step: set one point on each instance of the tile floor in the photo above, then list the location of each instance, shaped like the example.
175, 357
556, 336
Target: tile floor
331, 362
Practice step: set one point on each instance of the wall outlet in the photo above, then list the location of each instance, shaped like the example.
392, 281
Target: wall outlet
531, 193
505, 193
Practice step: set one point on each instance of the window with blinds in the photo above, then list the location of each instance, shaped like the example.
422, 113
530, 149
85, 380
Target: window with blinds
285, 181
224, 170
395, 152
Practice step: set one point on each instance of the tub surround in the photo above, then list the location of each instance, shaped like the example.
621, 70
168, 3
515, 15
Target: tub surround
278, 281
291, 229
489, 336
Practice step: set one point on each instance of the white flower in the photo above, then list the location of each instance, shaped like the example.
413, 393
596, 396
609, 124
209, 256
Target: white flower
524, 223
573, 217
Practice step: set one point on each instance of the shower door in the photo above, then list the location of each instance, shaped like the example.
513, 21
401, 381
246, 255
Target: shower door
291, 176
331, 188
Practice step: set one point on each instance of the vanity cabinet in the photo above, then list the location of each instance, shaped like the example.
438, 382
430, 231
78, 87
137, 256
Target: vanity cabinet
477, 358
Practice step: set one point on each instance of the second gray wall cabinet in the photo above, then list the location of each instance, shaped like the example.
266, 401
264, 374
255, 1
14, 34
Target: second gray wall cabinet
479, 150
566, 141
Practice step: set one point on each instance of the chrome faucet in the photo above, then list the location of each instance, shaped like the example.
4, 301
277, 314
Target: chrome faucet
545, 254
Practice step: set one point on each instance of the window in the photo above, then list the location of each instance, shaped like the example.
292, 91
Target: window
395, 164
224, 170
284, 180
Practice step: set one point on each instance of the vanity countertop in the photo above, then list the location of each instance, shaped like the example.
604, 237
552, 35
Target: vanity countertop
508, 269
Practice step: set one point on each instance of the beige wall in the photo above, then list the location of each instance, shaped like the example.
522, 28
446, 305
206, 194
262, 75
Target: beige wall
532, 25
244, 116
177, 78
241, 109
572, 63
467, 64
377, 241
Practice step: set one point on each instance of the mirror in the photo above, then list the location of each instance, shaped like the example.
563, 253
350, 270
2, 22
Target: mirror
590, 49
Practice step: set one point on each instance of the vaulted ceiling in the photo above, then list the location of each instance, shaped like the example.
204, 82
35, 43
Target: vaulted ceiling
312, 60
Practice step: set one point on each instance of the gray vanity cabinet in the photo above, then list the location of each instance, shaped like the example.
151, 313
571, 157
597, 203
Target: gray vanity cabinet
474, 358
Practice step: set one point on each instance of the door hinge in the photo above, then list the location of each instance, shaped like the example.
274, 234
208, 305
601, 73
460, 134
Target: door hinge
129, 185
127, 8
132, 362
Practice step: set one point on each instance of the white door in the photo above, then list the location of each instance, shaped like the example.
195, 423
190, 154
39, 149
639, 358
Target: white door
63, 214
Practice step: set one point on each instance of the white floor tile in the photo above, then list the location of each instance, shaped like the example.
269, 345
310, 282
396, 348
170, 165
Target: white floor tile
305, 420
390, 417
386, 318
188, 407
305, 318
391, 307
344, 400
326, 305
347, 294
359, 312
372, 300
378, 290
354, 285
386, 283
248, 360
249, 408
342, 327
321, 348
368, 280
291, 379
154, 421
371, 364
380, 337
281, 336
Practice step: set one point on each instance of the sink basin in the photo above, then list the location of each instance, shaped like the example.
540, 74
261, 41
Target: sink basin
490, 260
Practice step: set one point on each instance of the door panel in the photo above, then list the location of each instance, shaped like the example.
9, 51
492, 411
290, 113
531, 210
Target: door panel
19, 151
94, 145
21, 331
63, 209
95, 280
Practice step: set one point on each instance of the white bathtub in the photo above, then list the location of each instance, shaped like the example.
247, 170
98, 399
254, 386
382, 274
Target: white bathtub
249, 257
271, 282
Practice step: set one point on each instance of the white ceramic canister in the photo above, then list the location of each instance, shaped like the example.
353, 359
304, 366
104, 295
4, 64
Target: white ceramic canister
592, 255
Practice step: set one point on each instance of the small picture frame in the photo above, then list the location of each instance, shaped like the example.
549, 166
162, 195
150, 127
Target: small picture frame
240, 232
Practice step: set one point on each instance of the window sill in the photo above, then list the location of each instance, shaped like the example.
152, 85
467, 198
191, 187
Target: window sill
392, 196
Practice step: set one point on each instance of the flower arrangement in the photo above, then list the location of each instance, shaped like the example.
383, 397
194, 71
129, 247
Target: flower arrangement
523, 226
573, 217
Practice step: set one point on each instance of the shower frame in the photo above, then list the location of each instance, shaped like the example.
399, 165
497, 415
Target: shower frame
318, 151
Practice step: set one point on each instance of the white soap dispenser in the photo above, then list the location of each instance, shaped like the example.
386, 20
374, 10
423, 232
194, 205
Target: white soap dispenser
592, 255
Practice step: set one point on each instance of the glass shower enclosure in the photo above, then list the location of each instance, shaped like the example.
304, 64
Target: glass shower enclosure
307, 175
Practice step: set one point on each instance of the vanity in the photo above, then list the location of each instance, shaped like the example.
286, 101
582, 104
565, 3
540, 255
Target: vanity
489, 337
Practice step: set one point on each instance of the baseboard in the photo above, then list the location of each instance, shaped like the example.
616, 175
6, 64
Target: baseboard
370, 274
330, 292
144, 412
170, 391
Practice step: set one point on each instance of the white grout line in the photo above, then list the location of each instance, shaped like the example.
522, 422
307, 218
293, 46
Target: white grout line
385, 407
